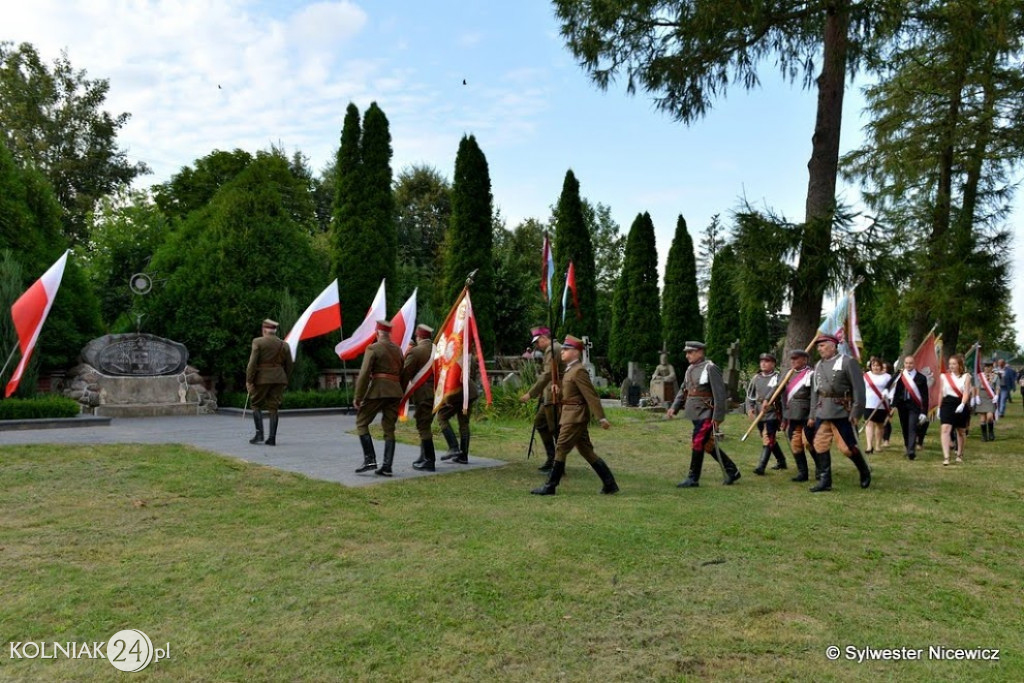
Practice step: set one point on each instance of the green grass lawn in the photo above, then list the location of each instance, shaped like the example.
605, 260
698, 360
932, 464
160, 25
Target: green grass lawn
254, 574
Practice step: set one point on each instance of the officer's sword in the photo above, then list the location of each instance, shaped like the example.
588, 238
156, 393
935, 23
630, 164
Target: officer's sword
533, 432
716, 435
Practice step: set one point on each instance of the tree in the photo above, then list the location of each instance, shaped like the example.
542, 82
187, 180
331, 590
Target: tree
54, 120
519, 301
609, 247
688, 52
192, 188
348, 244
469, 241
680, 314
636, 318
377, 205
723, 313
711, 241
572, 242
424, 206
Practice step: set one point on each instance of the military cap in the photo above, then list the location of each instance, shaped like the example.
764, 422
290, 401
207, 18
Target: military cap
572, 342
270, 324
424, 332
827, 338
798, 353
538, 332
988, 364
694, 346
383, 326
768, 356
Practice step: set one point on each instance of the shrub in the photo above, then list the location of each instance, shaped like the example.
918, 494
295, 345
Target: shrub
295, 400
40, 407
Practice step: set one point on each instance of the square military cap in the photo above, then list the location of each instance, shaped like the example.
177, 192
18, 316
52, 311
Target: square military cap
768, 356
572, 342
538, 332
270, 324
694, 346
424, 332
798, 353
383, 326
827, 338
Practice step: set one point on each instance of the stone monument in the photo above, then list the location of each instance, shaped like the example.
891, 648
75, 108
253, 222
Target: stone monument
732, 372
663, 381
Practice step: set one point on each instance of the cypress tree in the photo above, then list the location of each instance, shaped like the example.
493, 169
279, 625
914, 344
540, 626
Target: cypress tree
680, 313
636, 324
377, 206
572, 242
469, 240
723, 313
348, 245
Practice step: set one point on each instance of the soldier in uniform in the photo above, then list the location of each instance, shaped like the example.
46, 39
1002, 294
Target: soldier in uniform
266, 378
379, 389
546, 387
837, 402
579, 401
420, 356
761, 388
702, 398
796, 406
458, 451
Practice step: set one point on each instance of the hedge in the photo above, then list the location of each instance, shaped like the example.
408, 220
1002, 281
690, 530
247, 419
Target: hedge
40, 407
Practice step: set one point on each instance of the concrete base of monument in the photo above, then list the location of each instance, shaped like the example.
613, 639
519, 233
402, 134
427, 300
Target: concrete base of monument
147, 409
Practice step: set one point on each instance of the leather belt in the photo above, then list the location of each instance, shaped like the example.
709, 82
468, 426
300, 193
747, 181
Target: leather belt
266, 366
697, 394
384, 375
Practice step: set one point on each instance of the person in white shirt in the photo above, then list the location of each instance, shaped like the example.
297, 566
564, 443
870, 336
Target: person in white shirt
953, 410
876, 403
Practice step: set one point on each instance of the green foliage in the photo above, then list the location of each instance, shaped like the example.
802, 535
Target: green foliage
505, 404
470, 238
609, 247
680, 313
192, 188
636, 316
294, 400
377, 208
519, 302
53, 120
723, 317
423, 203
573, 242
40, 407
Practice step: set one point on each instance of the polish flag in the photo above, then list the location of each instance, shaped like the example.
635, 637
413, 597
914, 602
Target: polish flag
547, 271
364, 335
322, 316
29, 313
403, 323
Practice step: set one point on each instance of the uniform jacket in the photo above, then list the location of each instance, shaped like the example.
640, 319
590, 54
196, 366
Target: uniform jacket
702, 393
902, 398
797, 406
381, 358
759, 390
270, 361
579, 398
420, 354
837, 391
543, 384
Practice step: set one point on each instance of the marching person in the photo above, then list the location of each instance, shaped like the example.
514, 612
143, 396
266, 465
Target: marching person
876, 405
954, 410
266, 378
546, 419
458, 451
418, 357
379, 390
702, 398
579, 401
910, 398
1008, 379
837, 401
796, 406
986, 394
761, 388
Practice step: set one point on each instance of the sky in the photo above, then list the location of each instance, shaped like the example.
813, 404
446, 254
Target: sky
202, 75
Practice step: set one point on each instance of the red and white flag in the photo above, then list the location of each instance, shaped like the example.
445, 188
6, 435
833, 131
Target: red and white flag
404, 322
29, 313
570, 285
927, 360
456, 342
547, 270
364, 335
322, 316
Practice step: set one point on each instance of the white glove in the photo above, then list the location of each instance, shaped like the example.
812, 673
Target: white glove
922, 418
976, 401
959, 408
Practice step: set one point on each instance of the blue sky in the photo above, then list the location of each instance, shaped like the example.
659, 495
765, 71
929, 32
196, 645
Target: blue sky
220, 74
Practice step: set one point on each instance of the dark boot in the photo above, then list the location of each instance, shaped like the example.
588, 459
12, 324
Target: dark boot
257, 418
426, 463
693, 477
463, 457
607, 478
732, 473
549, 448
389, 458
419, 461
369, 456
817, 464
801, 466
862, 466
555, 476
780, 458
453, 443
272, 439
991, 431
825, 480
763, 461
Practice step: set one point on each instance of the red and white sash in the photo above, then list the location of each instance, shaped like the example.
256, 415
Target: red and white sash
912, 389
953, 386
988, 387
871, 383
798, 381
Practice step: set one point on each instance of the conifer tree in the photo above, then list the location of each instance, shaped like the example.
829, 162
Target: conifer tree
347, 245
377, 206
572, 242
680, 314
723, 313
636, 321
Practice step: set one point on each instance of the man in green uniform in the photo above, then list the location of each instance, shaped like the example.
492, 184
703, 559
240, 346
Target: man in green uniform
458, 451
379, 389
266, 377
419, 357
546, 387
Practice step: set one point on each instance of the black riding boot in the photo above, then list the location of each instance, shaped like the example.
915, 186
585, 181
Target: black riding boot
817, 464
732, 473
825, 480
257, 417
426, 462
369, 456
801, 466
453, 443
693, 477
549, 448
463, 457
389, 458
607, 478
780, 457
555, 476
272, 439
862, 466
763, 461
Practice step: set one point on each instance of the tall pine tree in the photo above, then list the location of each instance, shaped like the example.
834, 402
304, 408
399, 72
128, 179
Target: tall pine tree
636, 322
377, 208
469, 240
723, 313
573, 243
680, 313
348, 245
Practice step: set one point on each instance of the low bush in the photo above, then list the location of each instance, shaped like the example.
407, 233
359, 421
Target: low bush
295, 400
40, 407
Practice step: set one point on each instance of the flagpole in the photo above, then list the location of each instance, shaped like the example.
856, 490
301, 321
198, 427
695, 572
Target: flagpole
9, 357
778, 390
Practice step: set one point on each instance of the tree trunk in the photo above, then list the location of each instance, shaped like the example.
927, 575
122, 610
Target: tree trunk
810, 280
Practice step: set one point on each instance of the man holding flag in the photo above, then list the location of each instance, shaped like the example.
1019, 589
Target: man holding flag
379, 390
420, 359
545, 421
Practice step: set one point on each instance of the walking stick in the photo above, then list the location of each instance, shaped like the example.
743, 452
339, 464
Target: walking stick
246, 405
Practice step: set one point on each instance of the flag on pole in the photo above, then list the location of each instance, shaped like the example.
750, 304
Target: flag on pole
926, 361
404, 322
547, 269
322, 316
570, 284
842, 323
364, 335
454, 347
29, 313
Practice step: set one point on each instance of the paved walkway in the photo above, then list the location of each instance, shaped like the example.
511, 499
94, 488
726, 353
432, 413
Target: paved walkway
316, 446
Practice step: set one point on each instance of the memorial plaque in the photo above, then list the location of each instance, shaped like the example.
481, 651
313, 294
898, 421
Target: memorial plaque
135, 355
